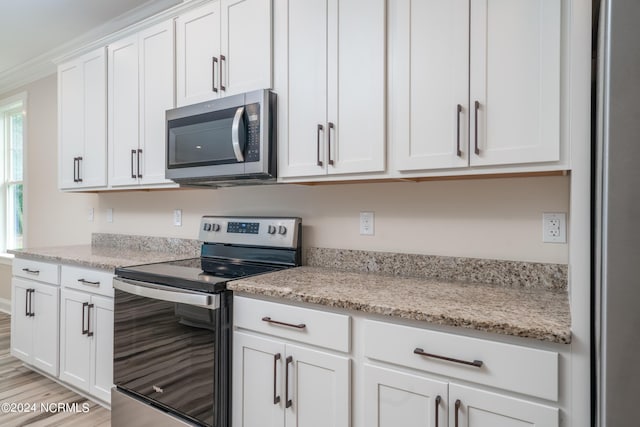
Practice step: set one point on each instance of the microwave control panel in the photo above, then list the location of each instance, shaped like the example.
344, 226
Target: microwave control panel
252, 149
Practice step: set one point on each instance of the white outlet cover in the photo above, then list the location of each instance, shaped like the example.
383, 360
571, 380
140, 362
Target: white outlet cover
367, 223
110, 215
90, 215
177, 217
554, 227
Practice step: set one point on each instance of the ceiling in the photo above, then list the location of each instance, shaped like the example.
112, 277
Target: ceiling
32, 31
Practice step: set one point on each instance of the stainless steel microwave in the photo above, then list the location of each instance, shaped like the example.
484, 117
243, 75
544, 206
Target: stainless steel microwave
227, 141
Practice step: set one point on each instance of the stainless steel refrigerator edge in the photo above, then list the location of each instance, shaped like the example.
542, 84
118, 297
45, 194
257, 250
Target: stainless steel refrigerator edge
617, 216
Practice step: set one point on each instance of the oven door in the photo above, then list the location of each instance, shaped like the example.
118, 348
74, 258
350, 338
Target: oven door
171, 348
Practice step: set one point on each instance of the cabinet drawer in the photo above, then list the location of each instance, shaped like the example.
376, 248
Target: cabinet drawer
305, 325
87, 279
510, 367
36, 270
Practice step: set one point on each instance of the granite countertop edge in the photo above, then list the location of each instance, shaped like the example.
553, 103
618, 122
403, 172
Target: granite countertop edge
549, 327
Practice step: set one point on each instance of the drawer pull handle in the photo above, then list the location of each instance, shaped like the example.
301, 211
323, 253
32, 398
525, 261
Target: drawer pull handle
276, 398
438, 400
29, 271
458, 111
476, 363
88, 282
457, 406
291, 325
289, 402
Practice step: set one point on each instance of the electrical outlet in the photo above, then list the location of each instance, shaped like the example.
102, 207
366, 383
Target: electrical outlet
110, 215
554, 227
177, 217
90, 215
367, 223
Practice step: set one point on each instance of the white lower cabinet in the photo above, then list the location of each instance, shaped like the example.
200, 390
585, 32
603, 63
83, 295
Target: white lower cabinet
86, 342
279, 384
34, 324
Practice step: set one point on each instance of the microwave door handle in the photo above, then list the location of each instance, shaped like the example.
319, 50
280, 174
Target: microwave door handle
235, 134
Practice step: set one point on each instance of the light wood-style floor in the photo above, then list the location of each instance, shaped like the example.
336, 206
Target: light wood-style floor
20, 385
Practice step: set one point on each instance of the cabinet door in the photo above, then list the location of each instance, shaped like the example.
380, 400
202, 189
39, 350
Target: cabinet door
319, 389
21, 322
198, 55
479, 408
75, 344
394, 399
429, 78
70, 122
245, 45
304, 150
515, 78
258, 393
356, 122
123, 112
93, 166
45, 309
156, 56
101, 326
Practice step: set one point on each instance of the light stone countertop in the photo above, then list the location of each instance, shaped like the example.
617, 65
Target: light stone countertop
536, 313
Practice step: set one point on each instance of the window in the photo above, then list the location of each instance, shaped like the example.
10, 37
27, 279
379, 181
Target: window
12, 138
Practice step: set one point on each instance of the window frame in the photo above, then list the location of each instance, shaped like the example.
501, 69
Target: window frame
10, 105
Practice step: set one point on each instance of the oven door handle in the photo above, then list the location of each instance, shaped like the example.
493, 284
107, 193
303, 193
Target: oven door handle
166, 293
235, 135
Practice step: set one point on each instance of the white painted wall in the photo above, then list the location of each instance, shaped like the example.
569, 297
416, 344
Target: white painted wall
488, 218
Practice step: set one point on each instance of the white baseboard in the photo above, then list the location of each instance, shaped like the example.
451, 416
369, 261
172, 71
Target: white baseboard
5, 305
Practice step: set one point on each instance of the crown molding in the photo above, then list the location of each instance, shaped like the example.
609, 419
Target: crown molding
121, 26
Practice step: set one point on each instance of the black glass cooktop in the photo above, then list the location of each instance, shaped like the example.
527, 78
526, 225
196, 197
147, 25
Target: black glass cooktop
200, 274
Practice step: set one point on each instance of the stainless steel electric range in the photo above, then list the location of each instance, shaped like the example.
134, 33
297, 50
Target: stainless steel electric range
172, 323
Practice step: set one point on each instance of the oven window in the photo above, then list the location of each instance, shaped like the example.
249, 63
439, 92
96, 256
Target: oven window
201, 140
166, 352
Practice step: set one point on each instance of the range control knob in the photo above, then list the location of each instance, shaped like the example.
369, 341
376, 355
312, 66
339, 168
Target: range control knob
271, 229
215, 227
206, 226
282, 230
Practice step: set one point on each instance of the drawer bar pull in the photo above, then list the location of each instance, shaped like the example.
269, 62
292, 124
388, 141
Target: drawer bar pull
88, 282
276, 398
291, 325
476, 363
29, 271
438, 400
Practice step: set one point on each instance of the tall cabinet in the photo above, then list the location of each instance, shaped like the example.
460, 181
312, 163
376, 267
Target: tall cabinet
334, 96
474, 82
82, 122
223, 48
141, 82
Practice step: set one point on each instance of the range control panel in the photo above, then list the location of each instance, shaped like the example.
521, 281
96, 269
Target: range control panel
256, 231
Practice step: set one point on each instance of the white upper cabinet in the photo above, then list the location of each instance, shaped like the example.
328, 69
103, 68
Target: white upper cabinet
140, 91
515, 80
223, 48
474, 83
82, 121
333, 100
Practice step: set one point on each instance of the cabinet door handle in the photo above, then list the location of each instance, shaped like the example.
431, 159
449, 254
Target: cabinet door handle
421, 352
79, 165
289, 402
276, 398
27, 302
133, 154
89, 331
320, 128
438, 400
458, 111
75, 162
84, 330
291, 325
31, 312
222, 60
29, 271
214, 64
139, 155
330, 126
88, 282
476, 108
457, 406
